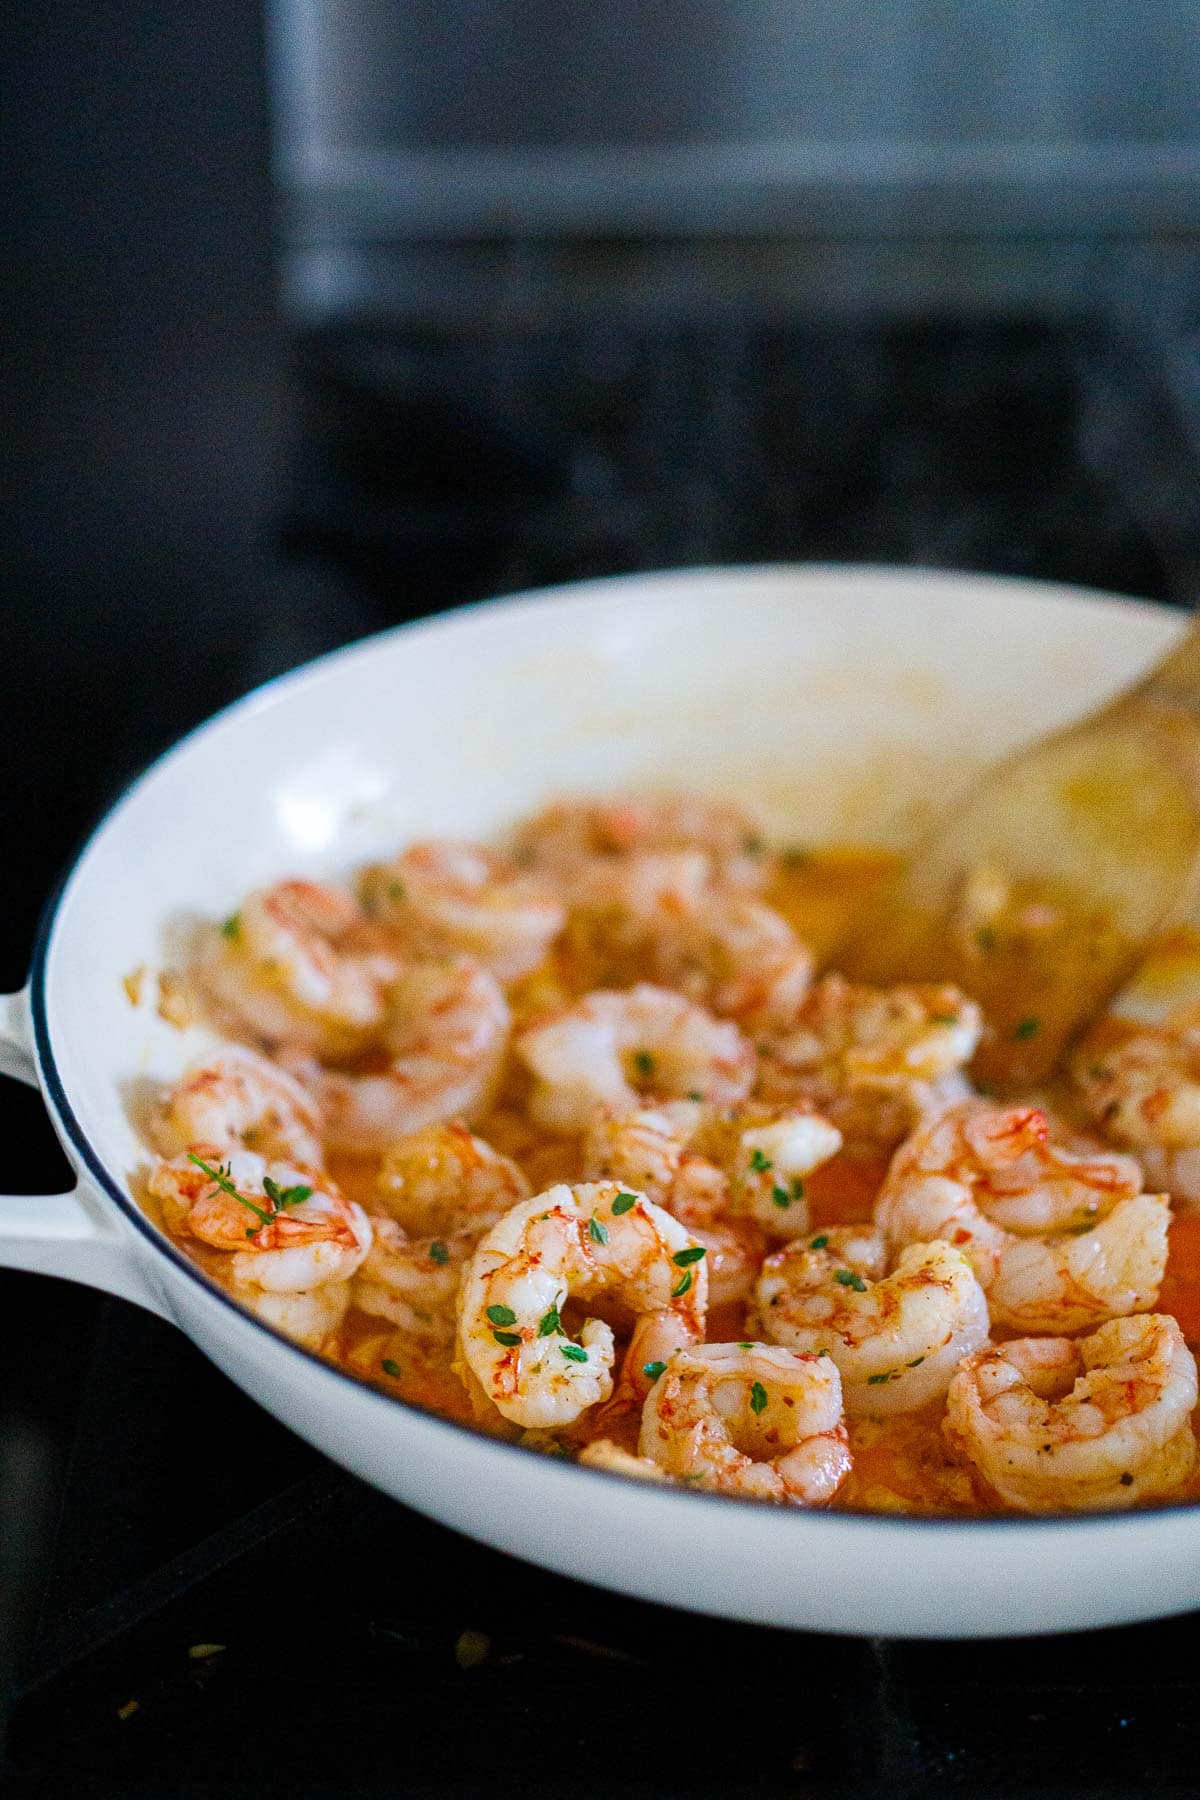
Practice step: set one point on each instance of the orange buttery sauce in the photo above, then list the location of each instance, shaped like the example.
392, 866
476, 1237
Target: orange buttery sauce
899, 1464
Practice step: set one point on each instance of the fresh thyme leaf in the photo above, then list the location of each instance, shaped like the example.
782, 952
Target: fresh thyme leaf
758, 1398
289, 1196
850, 1278
510, 1339
878, 1380
1026, 1029
501, 1315
390, 1368
623, 1203
760, 1163
682, 1258
915, 1363
653, 1370
596, 1231
231, 927
574, 1352
221, 1177
819, 1243
781, 1197
549, 1323
677, 1293
439, 1253
643, 1064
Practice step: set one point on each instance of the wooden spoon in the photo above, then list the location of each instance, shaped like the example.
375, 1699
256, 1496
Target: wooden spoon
1038, 894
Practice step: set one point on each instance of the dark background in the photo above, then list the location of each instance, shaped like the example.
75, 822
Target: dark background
203, 486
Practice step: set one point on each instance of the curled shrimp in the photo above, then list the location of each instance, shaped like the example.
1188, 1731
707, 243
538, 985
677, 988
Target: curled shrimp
609, 1047
444, 1039
300, 967
749, 1419
1143, 1091
291, 1239
575, 1243
1062, 1424
442, 1189
1079, 1243
444, 896
896, 1338
734, 1180
659, 915
873, 1060
238, 1100
569, 836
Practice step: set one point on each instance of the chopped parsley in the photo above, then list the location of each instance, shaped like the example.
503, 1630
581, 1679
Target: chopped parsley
623, 1203
819, 1243
390, 1368
781, 1197
850, 1278
653, 1370
501, 1315
549, 1323
596, 1231
915, 1363
232, 926
643, 1064
574, 1352
758, 1398
1026, 1029
878, 1380
759, 1163
438, 1252
510, 1339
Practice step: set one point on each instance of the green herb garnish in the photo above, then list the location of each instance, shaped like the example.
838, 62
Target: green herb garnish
289, 1196
501, 1315
1027, 1029
850, 1278
231, 927
549, 1323
596, 1231
653, 1370
623, 1203
222, 1178
819, 1243
439, 1253
677, 1293
758, 1398
510, 1339
574, 1352
781, 1197
682, 1258
760, 1163
390, 1368
643, 1064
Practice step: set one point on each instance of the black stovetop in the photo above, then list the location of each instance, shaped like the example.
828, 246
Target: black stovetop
195, 1602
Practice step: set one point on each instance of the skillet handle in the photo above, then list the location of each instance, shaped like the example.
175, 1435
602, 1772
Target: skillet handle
62, 1234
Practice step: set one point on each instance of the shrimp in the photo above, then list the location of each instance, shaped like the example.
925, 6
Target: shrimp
659, 915
896, 1338
749, 1419
609, 1046
873, 1060
445, 1037
443, 1180
299, 966
292, 1267
1079, 1243
443, 896
446, 1188
413, 1283
1056, 1424
1144, 1093
602, 1453
748, 1185
575, 1243
238, 1100
568, 837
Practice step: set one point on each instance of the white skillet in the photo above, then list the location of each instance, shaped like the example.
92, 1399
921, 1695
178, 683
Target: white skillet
848, 701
